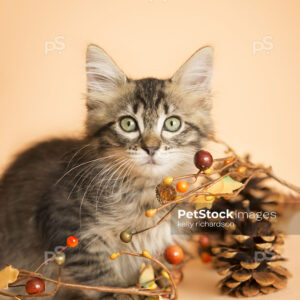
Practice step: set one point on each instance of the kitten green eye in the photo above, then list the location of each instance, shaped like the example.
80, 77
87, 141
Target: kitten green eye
128, 124
172, 124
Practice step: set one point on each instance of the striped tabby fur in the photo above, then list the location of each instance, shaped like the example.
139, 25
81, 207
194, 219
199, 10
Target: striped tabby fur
101, 184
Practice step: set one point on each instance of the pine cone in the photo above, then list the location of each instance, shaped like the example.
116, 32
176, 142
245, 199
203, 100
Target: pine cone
251, 260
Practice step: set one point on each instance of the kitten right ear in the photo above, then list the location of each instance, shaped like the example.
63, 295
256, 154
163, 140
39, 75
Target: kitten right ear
103, 75
195, 74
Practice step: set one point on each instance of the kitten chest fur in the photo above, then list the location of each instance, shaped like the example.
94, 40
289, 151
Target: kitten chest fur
129, 215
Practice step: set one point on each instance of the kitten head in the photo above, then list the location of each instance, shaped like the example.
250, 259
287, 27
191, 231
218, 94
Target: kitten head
155, 125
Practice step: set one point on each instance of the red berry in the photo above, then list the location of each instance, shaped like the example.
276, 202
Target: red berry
174, 255
72, 241
35, 286
203, 160
204, 241
205, 257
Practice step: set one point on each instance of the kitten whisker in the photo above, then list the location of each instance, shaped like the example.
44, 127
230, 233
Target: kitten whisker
87, 189
84, 163
107, 180
87, 170
128, 171
77, 152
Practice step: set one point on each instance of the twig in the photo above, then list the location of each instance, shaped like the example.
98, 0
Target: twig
23, 274
252, 171
174, 294
159, 222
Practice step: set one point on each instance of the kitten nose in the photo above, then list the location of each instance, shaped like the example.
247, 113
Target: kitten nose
150, 149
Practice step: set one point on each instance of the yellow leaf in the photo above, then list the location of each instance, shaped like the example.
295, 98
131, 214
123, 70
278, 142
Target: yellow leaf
146, 275
201, 205
8, 275
224, 186
201, 201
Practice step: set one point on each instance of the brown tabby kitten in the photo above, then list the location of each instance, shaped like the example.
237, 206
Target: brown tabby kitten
137, 132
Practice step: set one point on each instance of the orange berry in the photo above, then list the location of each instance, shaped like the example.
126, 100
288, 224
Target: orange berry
72, 241
241, 169
174, 255
182, 186
229, 160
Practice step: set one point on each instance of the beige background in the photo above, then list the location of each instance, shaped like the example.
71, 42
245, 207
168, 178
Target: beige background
256, 74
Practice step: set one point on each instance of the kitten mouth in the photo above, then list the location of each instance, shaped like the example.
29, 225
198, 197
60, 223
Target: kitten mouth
150, 161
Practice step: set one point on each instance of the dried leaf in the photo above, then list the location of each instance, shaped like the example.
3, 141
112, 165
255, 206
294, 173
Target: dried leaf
146, 275
8, 275
226, 185
201, 202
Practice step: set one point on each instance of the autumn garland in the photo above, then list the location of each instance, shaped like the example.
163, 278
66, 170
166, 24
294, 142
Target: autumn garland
35, 282
222, 177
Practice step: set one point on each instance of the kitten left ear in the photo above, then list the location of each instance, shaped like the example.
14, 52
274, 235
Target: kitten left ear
195, 74
103, 75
